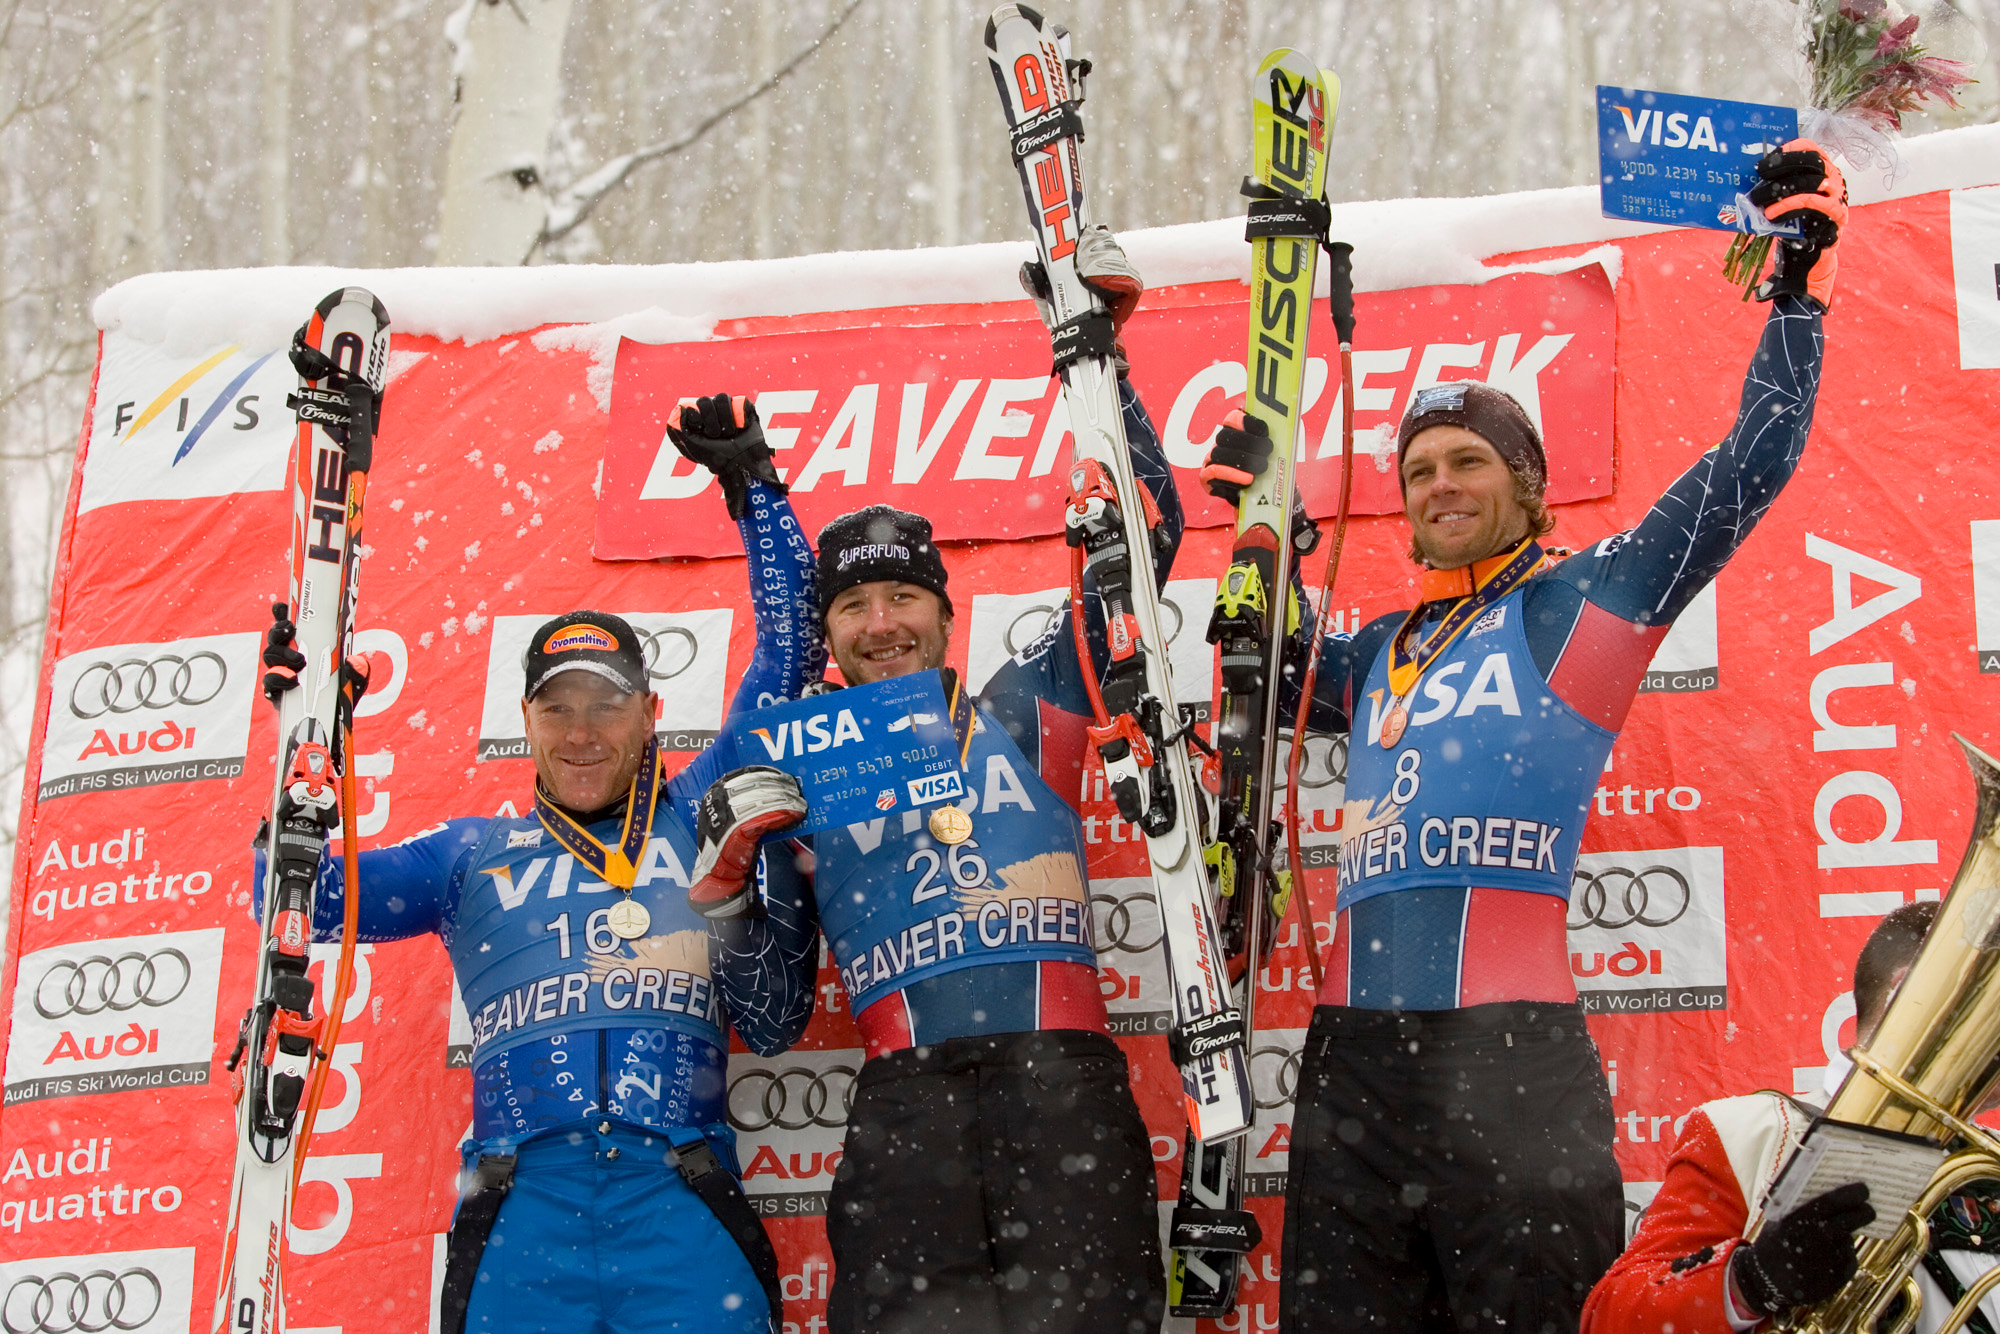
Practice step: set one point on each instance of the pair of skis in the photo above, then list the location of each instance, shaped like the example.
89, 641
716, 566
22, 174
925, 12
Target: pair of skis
282, 1049
1113, 528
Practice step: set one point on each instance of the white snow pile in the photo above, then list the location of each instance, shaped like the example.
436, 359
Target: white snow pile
1397, 243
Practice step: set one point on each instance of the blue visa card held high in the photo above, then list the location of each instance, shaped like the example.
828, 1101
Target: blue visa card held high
859, 753
1684, 161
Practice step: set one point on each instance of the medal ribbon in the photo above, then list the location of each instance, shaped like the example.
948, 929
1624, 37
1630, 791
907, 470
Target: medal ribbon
961, 711
620, 866
1407, 664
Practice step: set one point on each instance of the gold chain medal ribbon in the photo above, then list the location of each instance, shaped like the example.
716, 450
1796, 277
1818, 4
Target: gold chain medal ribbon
948, 823
627, 918
1475, 593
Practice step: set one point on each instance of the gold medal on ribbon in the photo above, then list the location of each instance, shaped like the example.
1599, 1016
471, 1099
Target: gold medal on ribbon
951, 825
628, 918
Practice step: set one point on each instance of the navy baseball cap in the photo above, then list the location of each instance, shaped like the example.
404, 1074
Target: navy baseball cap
585, 641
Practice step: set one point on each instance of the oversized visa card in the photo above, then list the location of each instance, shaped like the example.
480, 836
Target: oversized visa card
1686, 161
863, 752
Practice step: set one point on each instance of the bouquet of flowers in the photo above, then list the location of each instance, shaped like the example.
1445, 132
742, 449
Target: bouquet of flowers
1867, 63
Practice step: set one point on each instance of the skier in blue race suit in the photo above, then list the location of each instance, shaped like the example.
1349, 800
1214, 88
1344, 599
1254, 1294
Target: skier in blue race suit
1451, 1160
600, 1001
996, 1174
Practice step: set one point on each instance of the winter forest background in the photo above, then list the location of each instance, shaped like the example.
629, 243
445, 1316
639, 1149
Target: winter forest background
141, 135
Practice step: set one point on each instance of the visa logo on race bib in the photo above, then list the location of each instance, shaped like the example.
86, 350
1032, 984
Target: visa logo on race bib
935, 787
804, 736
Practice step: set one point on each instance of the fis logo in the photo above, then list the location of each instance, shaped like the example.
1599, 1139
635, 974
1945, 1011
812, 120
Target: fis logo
933, 787
808, 736
1672, 130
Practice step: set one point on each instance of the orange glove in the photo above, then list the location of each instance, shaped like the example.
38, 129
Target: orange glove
1799, 180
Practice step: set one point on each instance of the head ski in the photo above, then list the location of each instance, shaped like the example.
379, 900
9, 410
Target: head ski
1139, 733
342, 357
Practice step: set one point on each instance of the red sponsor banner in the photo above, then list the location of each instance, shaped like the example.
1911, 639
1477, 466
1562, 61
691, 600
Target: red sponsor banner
1785, 778
963, 422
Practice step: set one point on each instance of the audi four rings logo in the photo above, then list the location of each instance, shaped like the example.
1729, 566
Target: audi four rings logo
668, 651
102, 983
1285, 1083
81, 1303
137, 683
1325, 761
792, 1099
1042, 617
1123, 928
1617, 897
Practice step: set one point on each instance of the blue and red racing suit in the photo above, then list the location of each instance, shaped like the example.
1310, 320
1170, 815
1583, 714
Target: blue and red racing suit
1458, 841
568, 1021
993, 935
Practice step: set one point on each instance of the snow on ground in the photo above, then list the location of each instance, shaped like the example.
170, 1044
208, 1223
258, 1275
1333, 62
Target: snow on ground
1397, 243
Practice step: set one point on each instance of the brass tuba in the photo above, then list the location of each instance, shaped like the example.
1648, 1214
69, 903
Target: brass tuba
1926, 1070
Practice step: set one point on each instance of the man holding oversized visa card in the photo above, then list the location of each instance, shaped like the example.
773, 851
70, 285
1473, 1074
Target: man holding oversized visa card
996, 1175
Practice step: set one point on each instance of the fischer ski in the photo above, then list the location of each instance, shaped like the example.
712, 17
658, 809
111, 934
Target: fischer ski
1256, 614
279, 1062
1112, 528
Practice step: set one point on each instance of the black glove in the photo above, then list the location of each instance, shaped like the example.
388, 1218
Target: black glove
1800, 181
1805, 1256
1242, 450
282, 662
724, 436
736, 812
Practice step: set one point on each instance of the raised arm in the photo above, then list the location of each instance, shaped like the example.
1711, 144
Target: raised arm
763, 966
1648, 574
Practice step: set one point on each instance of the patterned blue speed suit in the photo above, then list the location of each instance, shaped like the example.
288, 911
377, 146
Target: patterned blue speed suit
1451, 1159
996, 1174
590, 1054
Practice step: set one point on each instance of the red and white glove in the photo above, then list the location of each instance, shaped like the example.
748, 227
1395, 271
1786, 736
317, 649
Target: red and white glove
1102, 264
736, 812
1799, 180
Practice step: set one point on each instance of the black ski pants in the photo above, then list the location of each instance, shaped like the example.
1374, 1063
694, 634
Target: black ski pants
995, 1185
1450, 1171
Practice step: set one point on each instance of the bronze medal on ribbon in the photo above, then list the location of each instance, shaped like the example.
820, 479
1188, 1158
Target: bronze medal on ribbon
951, 825
628, 919
1393, 725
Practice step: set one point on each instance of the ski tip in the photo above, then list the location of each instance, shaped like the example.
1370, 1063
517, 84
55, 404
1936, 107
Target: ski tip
1030, 15
359, 296
993, 29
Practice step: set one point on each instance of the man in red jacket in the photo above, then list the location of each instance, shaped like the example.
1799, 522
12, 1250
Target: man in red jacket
1689, 1268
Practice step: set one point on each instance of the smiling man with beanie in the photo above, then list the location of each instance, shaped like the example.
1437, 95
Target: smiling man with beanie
1451, 1163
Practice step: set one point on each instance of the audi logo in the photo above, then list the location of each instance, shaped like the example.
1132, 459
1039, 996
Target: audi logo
1042, 617
668, 651
1617, 897
99, 983
1285, 1082
1324, 762
763, 1099
81, 1303
136, 683
1131, 923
